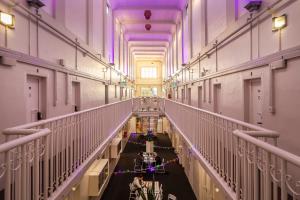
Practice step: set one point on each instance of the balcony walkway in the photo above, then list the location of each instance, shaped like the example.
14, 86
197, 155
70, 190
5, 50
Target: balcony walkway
174, 181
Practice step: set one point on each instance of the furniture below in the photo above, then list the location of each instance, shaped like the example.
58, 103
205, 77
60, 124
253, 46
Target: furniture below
116, 147
98, 176
149, 146
150, 189
171, 197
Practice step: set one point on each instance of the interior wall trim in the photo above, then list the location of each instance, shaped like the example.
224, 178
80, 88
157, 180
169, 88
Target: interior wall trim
287, 54
38, 62
60, 32
235, 31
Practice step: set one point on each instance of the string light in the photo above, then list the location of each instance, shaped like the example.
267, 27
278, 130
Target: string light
155, 146
151, 169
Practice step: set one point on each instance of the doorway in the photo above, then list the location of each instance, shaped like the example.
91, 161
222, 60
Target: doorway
106, 101
253, 98
217, 98
182, 95
199, 96
76, 96
36, 98
189, 96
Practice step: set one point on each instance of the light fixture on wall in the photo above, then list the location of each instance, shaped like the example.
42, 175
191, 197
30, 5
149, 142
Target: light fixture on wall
35, 3
253, 6
7, 20
104, 69
107, 9
279, 22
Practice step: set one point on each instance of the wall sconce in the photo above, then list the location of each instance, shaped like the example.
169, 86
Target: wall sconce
253, 6
104, 69
35, 3
7, 20
107, 9
279, 22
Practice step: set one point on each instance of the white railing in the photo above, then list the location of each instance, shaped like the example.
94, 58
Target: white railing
211, 136
242, 157
265, 172
49, 153
148, 104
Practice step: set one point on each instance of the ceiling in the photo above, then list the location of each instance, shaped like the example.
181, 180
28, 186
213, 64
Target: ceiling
164, 15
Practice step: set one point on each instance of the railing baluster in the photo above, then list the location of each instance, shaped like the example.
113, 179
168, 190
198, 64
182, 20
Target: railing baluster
46, 168
7, 176
36, 169
283, 179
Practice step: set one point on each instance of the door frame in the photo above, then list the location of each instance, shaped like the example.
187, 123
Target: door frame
79, 85
217, 84
245, 100
45, 88
200, 101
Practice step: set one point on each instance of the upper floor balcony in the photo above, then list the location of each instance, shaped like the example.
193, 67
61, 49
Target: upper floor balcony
42, 160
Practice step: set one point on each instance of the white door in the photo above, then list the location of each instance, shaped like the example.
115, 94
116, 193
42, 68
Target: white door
189, 95
75, 96
33, 98
106, 94
200, 97
255, 101
217, 98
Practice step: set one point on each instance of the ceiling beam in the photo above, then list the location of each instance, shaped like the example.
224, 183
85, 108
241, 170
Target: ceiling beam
147, 49
149, 40
148, 33
147, 46
138, 22
139, 8
149, 52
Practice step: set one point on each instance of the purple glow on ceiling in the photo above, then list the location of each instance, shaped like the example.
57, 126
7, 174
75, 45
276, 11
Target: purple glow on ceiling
147, 3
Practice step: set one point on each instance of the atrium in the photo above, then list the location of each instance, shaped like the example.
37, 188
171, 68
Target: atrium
149, 100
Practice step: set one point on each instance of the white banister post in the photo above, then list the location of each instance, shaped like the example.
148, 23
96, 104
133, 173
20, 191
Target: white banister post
36, 169
8, 176
268, 177
46, 167
283, 179
238, 170
23, 171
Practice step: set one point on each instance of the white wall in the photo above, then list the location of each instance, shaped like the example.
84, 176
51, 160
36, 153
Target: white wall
37, 49
76, 18
244, 50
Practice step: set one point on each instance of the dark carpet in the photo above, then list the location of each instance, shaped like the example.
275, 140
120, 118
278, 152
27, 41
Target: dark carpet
173, 182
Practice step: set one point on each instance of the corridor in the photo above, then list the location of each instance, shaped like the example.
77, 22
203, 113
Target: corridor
149, 99
118, 186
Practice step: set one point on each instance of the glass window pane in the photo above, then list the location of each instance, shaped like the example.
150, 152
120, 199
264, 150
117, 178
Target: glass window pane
148, 72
